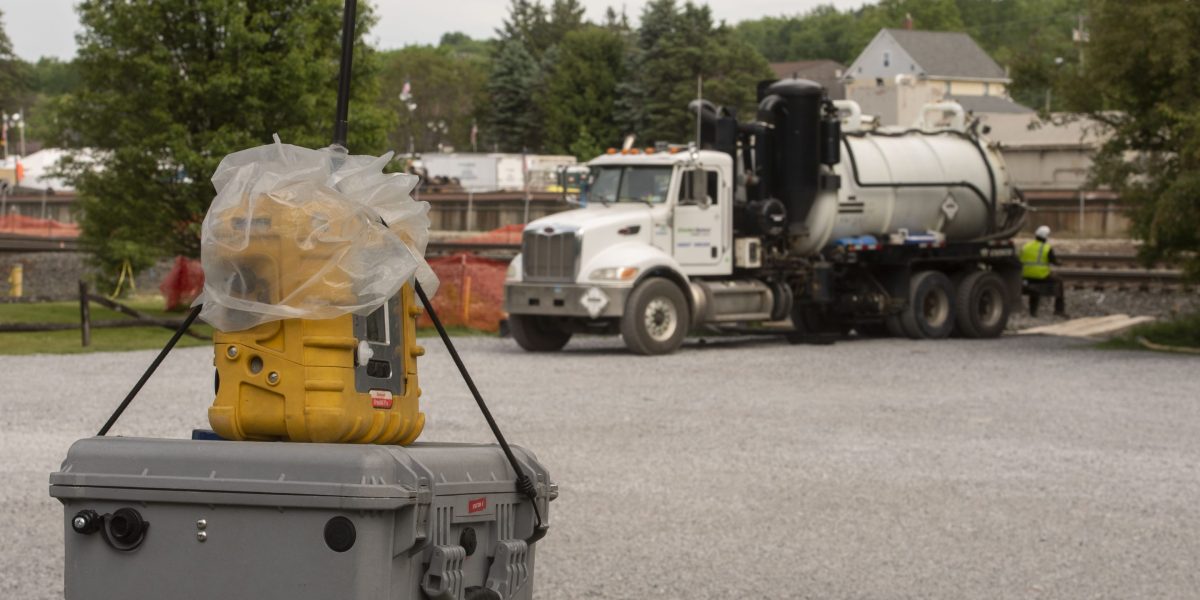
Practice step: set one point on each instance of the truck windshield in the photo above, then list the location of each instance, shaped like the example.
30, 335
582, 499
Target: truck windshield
628, 184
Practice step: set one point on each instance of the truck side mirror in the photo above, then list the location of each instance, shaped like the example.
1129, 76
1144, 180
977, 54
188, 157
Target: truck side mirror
564, 185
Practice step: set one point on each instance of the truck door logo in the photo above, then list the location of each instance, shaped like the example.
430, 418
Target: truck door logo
476, 505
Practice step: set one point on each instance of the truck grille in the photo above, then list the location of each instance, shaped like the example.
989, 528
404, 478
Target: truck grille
550, 256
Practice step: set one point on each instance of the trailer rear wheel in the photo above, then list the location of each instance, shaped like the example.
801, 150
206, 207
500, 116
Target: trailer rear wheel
981, 305
656, 318
537, 333
930, 310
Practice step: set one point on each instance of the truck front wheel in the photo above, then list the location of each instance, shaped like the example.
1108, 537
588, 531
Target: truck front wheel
537, 334
656, 318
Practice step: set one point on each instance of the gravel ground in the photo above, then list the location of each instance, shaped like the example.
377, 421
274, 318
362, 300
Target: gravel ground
1023, 467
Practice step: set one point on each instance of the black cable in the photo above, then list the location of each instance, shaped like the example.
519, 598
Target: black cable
191, 318
525, 485
340, 122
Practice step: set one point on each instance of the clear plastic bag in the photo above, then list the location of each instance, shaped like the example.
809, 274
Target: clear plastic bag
296, 233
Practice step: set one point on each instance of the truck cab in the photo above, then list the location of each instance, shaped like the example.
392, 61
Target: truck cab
652, 221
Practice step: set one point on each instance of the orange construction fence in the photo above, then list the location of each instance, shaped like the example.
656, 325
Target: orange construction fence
470, 293
33, 226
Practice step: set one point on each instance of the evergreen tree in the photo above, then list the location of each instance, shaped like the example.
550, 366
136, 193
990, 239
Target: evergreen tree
617, 22
526, 24
580, 90
565, 16
585, 147
521, 68
169, 87
510, 91
676, 45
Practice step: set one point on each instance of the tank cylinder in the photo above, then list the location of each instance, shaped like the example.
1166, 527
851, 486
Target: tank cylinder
793, 106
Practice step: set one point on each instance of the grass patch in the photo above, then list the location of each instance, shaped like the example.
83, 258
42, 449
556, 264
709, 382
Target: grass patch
1183, 331
68, 312
103, 340
455, 331
117, 339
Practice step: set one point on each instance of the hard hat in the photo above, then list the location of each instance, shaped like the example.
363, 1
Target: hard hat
1042, 232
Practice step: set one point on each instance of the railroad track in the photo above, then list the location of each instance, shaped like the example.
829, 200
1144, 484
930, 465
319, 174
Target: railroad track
1116, 271
26, 243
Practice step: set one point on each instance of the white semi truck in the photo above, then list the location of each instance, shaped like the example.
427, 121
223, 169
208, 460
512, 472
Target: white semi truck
802, 213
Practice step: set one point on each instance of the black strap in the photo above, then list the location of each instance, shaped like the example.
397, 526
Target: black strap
525, 485
183, 327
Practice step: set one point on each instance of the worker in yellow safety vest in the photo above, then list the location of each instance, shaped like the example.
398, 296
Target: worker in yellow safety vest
1036, 258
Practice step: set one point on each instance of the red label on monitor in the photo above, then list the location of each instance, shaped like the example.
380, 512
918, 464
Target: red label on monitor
476, 505
381, 399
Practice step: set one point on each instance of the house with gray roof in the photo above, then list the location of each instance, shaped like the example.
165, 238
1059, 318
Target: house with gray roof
901, 70
826, 72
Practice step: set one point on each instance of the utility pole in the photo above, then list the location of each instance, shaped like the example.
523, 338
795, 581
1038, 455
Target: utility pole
525, 176
1080, 36
20, 117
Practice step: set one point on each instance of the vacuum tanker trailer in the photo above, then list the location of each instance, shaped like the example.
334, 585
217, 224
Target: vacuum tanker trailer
801, 213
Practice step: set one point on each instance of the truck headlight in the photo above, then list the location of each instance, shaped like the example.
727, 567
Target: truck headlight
614, 274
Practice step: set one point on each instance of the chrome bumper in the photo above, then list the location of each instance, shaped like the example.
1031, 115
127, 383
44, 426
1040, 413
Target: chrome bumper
564, 299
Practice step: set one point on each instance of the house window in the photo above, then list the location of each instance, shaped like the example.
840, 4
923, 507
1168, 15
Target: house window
986, 88
878, 82
887, 59
947, 88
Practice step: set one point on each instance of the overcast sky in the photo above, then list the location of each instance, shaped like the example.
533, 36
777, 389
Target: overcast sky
47, 27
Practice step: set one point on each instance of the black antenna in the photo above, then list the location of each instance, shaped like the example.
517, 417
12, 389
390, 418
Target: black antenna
340, 122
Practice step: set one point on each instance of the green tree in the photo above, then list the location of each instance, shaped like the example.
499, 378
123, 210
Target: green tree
445, 89
14, 73
169, 87
1138, 77
510, 87
585, 147
525, 57
539, 29
580, 91
463, 45
50, 80
823, 32
677, 44
927, 15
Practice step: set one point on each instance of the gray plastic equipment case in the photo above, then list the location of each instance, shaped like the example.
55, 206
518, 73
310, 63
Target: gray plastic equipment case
293, 521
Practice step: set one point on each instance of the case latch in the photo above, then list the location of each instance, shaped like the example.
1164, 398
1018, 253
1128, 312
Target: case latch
444, 579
